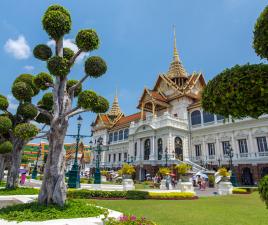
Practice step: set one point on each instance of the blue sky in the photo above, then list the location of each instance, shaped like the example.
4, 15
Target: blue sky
136, 41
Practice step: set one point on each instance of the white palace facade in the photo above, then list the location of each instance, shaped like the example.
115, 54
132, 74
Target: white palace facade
171, 127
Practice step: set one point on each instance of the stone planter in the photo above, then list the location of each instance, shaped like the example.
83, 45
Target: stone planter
128, 184
186, 187
225, 188
103, 179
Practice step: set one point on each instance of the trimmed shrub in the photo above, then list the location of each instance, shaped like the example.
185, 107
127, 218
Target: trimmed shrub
87, 40
5, 124
42, 52
95, 66
42, 79
72, 193
29, 80
87, 99
27, 110
6, 147
240, 191
47, 101
101, 105
68, 53
3, 103
137, 195
25, 131
22, 91
58, 66
172, 195
263, 189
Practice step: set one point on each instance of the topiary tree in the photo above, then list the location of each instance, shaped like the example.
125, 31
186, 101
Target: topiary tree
55, 107
16, 129
263, 189
242, 91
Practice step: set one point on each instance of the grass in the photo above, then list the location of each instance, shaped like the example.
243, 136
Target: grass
2, 184
225, 210
19, 191
35, 212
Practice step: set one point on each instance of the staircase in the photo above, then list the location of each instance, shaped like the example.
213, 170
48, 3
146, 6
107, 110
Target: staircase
195, 167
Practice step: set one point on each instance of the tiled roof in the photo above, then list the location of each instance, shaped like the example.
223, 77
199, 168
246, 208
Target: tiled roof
158, 96
128, 119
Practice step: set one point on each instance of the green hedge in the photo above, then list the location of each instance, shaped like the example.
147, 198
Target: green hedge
19, 191
172, 195
137, 195
95, 194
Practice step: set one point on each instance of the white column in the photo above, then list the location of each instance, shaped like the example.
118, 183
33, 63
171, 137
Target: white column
152, 152
251, 145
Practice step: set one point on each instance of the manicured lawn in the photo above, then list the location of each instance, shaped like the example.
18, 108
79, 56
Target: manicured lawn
19, 191
227, 210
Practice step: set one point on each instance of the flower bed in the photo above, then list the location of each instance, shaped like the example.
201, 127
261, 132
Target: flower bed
240, 191
129, 220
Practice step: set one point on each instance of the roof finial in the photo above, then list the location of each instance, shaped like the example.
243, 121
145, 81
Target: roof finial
175, 52
115, 109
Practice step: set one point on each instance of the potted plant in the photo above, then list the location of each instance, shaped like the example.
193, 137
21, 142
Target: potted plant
211, 181
104, 174
225, 187
127, 171
184, 184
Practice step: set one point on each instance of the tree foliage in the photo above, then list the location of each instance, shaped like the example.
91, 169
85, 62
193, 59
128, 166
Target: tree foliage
87, 40
5, 124
95, 66
3, 103
68, 53
27, 111
242, 90
43, 80
25, 131
58, 66
71, 83
6, 147
263, 189
42, 52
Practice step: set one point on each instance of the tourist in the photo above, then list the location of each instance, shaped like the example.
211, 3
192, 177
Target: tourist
168, 179
23, 178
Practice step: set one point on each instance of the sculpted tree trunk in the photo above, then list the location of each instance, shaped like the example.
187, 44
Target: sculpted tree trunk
13, 175
2, 166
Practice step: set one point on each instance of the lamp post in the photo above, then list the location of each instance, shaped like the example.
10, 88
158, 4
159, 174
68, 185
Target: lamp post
219, 162
34, 173
74, 173
97, 175
166, 156
230, 153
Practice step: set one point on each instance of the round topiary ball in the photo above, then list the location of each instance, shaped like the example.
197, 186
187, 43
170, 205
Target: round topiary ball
87, 40
101, 105
5, 124
3, 103
47, 101
68, 53
28, 79
87, 99
6, 147
42, 118
25, 131
260, 40
58, 66
95, 66
71, 83
42, 79
22, 91
60, 8
42, 52
56, 23
27, 110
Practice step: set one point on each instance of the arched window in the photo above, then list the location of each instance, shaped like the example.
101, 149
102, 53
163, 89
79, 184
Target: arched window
196, 117
178, 148
159, 148
126, 134
147, 147
208, 117
115, 136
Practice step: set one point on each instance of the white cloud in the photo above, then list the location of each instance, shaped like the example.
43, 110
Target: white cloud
13, 104
19, 47
28, 67
69, 43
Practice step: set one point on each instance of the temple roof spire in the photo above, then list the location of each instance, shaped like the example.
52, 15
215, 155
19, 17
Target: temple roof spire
115, 109
176, 68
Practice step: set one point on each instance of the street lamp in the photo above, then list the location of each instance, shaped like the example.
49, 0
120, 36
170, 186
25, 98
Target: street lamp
219, 162
74, 173
34, 173
97, 175
166, 156
230, 153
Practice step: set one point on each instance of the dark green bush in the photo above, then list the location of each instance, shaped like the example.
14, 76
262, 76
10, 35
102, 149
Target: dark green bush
58, 66
87, 40
47, 101
68, 53
42, 79
100, 106
29, 80
87, 99
42, 52
137, 195
87, 194
3, 103
27, 110
95, 66
5, 124
6, 147
22, 91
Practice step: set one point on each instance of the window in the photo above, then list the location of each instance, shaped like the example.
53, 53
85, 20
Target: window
126, 133
211, 149
196, 117
160, 148
125, 156
115, 136
109, 158
219, 117
120, 135
243, 148
119, 157
135, 150
197, 150
114, 157
147, 147
262, 144
225, 145
110, 137
208, 117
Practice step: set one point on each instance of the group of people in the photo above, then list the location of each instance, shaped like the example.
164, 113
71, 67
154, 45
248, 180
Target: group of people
199, 181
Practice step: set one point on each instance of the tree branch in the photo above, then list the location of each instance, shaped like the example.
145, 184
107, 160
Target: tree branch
49, 85
70, 111
72, 89
71, 62
45, 112
41, 136
78, 112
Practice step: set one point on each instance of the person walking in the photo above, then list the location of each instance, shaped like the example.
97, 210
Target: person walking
167, 181
23, 178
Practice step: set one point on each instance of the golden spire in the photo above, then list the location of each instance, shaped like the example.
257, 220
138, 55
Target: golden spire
176, 68
115, 109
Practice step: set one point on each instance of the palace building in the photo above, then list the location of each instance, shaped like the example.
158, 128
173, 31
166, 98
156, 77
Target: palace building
171, 127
